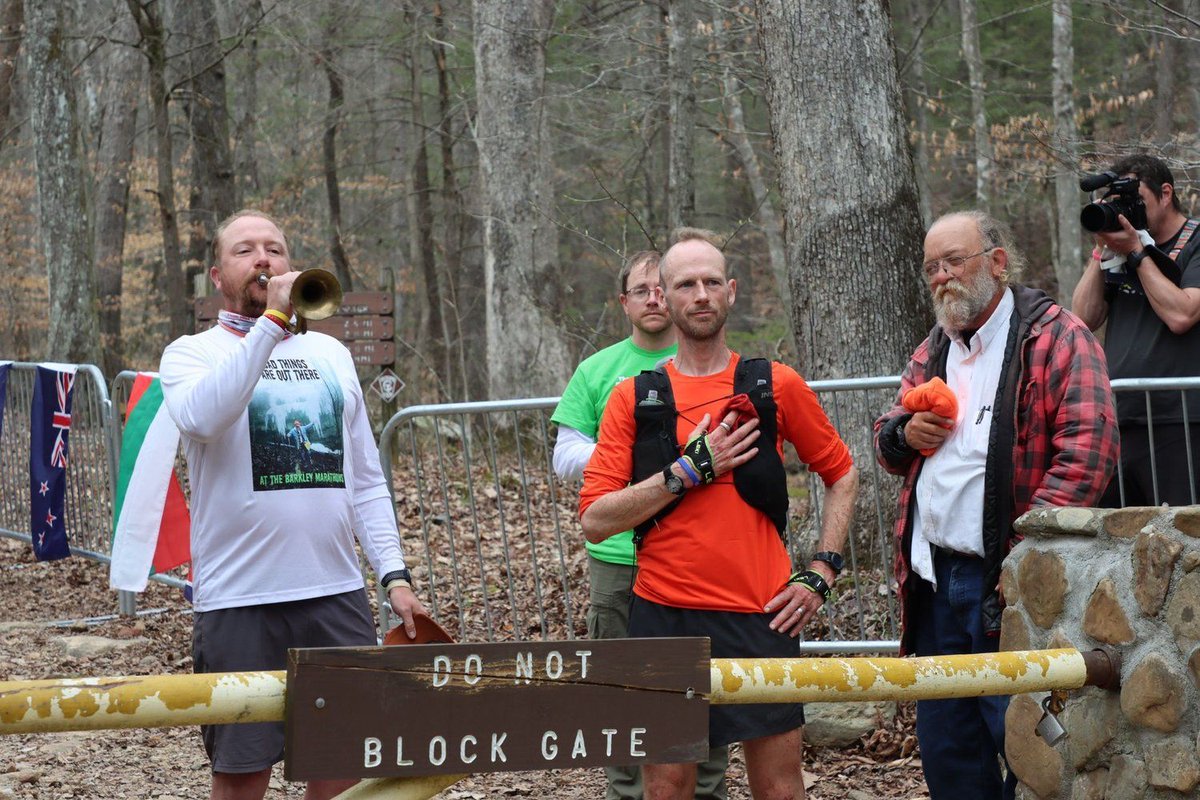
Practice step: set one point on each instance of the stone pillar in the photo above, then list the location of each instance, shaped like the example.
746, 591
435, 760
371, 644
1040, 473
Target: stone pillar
1125, 579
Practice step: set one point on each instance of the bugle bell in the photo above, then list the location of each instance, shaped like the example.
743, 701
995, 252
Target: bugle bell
316, 294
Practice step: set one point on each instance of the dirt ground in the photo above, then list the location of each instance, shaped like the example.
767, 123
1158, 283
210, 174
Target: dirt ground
169, 763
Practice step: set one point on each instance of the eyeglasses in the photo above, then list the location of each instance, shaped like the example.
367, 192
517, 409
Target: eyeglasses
953, 264
642, 293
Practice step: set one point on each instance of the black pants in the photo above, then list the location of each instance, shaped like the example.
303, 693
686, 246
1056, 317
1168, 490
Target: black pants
1170, 460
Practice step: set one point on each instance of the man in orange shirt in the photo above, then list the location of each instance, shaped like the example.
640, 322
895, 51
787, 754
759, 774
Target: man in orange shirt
710, 517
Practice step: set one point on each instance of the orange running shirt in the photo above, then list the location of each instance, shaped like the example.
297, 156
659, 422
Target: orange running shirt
713, 551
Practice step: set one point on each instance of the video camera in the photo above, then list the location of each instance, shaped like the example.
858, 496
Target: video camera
1122, 198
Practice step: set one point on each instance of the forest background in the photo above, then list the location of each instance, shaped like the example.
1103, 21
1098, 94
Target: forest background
490, 162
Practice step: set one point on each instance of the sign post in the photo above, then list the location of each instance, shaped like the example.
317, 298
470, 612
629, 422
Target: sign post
359, 712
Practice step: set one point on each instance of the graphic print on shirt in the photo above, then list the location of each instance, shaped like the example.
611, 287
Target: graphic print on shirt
295, 419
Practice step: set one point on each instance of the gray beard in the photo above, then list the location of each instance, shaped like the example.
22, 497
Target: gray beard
957, 311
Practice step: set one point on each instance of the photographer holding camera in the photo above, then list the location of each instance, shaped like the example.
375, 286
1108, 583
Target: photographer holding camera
1146, 284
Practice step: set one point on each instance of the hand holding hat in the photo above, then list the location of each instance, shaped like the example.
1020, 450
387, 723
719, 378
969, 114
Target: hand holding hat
934, 396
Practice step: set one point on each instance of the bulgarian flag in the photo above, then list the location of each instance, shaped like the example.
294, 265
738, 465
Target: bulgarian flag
151, 525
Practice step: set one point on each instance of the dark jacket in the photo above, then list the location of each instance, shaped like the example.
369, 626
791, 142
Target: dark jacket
1053, 440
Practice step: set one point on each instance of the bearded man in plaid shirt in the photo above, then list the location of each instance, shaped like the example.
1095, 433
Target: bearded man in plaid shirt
1034, 426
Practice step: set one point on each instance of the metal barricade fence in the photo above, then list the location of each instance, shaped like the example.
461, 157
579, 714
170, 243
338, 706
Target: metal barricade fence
494, 537
1158, 386
492, 558
500, 552
91, 462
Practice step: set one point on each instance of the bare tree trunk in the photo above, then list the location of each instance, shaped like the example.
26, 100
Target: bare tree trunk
1164, 76
917, 11
655, 129
123, 81
850, 124
853, 230
333, 117
1068, 262
1191, 61
681, 116
12, 17
984, 158
245, 141
768, 217
214, 190
456, 283
61, 189
437, 332
172, 290
526, 351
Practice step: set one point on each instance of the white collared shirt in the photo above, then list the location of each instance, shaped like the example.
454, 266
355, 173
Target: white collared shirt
949, 492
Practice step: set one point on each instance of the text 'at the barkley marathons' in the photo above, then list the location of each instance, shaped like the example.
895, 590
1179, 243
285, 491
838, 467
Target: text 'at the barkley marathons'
429, 709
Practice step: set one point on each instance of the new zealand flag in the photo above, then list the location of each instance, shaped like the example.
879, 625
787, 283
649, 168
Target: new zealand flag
50, 424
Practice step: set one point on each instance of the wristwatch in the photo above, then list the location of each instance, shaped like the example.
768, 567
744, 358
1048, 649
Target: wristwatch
397, 577
834, 560
1133, 259
674, 482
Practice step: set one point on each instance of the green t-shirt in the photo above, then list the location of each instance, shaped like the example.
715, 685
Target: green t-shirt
582, 405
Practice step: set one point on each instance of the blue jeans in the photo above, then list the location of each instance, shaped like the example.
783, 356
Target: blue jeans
961, 739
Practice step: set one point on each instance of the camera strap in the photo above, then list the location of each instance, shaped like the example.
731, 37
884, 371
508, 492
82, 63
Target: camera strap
1185, 233
1166, 261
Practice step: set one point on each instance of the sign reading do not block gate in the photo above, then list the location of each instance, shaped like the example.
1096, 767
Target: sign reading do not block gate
375, 712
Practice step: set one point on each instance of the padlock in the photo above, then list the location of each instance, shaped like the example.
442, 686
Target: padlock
1048, 727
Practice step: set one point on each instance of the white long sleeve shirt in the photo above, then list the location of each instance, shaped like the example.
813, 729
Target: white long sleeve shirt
572, 451
268, 527
949, 492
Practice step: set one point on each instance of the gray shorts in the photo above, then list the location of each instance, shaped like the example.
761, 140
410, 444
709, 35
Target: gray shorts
253, 638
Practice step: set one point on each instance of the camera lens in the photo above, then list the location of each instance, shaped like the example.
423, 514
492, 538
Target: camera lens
1097, 217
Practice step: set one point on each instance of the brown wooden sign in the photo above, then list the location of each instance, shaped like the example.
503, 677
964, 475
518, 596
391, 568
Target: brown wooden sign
353, 303
363, 326
366, 352
374, 712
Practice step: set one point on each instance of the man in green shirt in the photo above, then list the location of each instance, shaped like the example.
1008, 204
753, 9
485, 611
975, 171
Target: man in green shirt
611, 563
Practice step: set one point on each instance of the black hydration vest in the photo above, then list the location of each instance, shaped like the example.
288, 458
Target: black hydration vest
761, 481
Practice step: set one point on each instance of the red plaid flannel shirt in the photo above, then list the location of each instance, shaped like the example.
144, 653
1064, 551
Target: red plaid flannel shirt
1066, 441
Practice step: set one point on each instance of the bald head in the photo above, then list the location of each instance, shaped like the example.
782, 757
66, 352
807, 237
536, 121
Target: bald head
981, 231
690, 250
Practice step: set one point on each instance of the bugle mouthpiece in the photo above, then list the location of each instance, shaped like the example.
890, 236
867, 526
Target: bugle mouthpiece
263, 279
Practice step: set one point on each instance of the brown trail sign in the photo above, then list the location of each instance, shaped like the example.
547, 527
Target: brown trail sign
375, 712
363, 322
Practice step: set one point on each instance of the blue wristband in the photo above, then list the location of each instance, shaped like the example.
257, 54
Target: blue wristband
685, 464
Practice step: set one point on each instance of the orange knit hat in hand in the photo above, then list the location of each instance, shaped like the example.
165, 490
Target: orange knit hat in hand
933, 395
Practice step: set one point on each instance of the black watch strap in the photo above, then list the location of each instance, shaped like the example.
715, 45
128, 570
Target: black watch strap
674, 483
396, 575
834, 560
1135, 258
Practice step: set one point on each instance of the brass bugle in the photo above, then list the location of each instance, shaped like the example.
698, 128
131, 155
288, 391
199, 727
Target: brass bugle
316, 294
